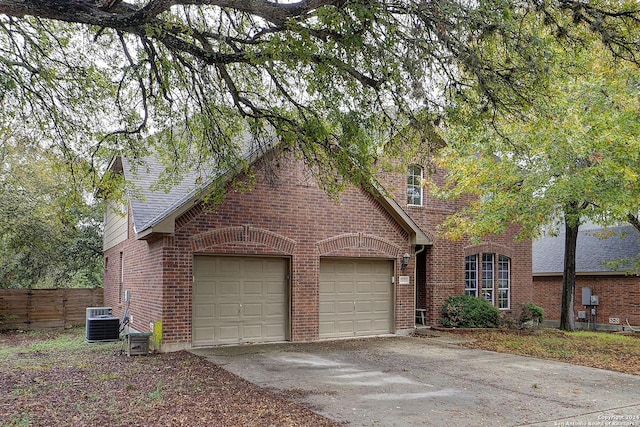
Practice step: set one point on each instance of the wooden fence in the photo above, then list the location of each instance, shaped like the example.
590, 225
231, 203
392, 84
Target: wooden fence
46, 308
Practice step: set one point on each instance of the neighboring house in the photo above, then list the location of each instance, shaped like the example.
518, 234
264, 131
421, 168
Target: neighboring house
284, 261
617, 286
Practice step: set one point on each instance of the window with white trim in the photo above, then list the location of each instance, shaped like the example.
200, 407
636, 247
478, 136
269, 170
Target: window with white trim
471, 275
488, 275
414, 185
504, 282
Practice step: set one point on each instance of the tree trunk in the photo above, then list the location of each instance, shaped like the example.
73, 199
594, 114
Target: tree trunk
571, 225
633, 220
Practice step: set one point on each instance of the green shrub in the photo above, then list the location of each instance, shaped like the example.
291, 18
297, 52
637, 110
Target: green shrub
531, 313
465, 311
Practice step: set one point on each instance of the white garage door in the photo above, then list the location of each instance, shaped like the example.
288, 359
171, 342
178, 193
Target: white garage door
355, 298
239, 299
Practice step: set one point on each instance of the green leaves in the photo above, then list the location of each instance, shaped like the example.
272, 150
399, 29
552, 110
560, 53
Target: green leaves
577, 141
48, 238
95, 83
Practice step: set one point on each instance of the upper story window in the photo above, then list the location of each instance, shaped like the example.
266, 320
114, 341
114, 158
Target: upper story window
414, 185
483, 272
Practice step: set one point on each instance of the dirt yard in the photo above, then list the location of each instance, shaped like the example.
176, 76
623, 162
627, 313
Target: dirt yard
56, 378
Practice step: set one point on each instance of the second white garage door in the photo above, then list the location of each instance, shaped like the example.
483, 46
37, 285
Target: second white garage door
239, 299
355, 297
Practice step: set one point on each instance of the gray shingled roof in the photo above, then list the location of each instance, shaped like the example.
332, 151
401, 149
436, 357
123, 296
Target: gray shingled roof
592, 251
150, 204
152, 201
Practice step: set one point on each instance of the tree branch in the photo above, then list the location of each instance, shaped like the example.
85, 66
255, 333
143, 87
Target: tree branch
633, 220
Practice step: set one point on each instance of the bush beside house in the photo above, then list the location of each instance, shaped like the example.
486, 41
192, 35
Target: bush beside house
466, 311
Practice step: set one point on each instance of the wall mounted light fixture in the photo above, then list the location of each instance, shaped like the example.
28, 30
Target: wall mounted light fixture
405, 261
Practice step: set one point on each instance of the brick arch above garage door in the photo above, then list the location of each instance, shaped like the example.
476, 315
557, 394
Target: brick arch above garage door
357, 240
245, 234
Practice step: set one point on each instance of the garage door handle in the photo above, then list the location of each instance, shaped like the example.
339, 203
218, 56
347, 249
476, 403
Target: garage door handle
240, 308
354, 305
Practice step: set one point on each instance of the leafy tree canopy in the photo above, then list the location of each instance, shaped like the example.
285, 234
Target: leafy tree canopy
329, 77
574, 154
48, 236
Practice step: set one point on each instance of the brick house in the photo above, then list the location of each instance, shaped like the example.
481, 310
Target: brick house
284, 261
618, 290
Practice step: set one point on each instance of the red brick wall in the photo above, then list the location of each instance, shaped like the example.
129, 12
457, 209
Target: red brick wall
445, 258
619, 297
143, 277
288, 217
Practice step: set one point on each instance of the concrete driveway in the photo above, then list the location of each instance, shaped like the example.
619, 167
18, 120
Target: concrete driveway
406, 381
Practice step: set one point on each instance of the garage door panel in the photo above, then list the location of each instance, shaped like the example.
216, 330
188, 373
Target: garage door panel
329, 288
327, 307
228, 311
253, 288
252, 332
226, 266
273, 288
225, 288
273, 266
274, 309
227, 334
344, 287
204, 311
365, 307
253, 265
380, 288
364, 287
344, 268
203, 272
239, 299
365, 268
206, 288
380, 308
355, 297
364, 325
326, 328
345, 327
203, 333
380, 324
273, 332
342, 307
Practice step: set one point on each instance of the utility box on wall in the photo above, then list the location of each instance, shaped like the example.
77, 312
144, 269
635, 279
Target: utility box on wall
588, 298
137, 343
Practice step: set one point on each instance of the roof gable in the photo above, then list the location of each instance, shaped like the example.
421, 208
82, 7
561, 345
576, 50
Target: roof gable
155, 208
